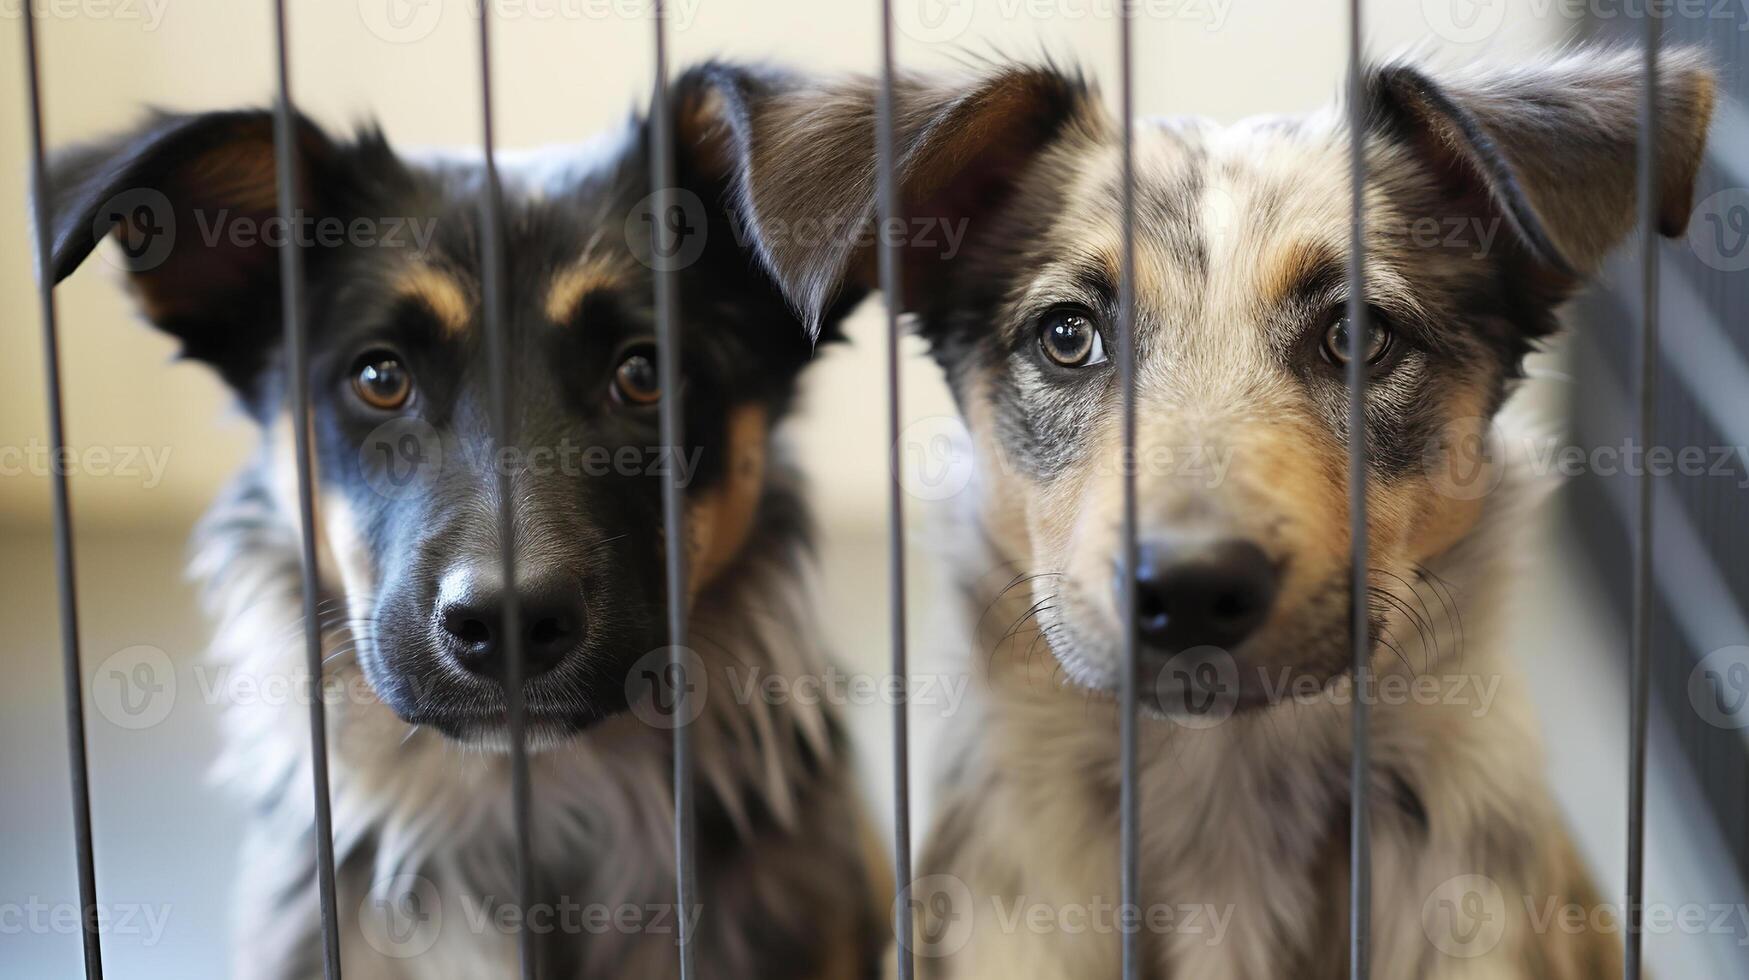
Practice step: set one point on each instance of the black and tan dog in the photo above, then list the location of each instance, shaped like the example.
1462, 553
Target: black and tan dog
1490, 195
409, 553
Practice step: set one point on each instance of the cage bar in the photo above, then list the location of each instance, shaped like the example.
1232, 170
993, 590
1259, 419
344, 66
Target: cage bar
1129, 802
1360, 819
496, 330
291, 276
887, 190
72, 675
665, 241
1640, 656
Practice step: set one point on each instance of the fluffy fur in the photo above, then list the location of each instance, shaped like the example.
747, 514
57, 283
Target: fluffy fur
417, 816
1491, 193
1245, 817
415, 704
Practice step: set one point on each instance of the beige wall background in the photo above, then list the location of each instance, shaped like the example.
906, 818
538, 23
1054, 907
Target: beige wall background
564, 69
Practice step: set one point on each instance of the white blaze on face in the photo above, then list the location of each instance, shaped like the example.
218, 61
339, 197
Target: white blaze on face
1218, 216
343, 551
342, 558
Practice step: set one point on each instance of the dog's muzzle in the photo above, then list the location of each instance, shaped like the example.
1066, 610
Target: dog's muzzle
472, 606
1201, 592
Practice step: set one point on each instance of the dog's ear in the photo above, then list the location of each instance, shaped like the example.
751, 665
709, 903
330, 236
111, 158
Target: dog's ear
1551, 149
188, 199
800, 156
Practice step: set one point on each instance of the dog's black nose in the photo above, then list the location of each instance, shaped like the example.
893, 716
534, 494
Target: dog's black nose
1202, 593
470, 609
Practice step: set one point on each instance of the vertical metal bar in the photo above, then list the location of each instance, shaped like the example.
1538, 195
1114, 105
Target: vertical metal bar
496, 332
1129, 801
892, 287
1360, 818
72, 676
291, 273
672, 417
1640, 679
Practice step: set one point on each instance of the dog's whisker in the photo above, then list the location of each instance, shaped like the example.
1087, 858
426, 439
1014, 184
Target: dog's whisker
1032, 611
1424, 629
1408, 613
994, 604
1447, 596
1388, 641
1427, 612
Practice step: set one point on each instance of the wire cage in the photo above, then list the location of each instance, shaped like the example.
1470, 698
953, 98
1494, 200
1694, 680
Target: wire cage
671, 311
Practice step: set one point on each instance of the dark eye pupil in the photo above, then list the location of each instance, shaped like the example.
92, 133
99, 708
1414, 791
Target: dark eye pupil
636, 379
1069, 338
1341, 339
639, 373
382, 377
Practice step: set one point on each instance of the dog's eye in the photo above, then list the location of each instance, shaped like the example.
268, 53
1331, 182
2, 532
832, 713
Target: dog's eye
635, 381
1378, 341
1070, 338
382, 381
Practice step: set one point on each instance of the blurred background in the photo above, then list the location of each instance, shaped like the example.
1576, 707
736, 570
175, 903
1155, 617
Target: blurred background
157, 438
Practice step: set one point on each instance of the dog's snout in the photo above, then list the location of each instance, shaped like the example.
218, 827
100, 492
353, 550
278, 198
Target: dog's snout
471, 607
1202, 593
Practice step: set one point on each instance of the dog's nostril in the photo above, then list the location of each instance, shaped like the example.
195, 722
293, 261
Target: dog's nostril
1202, 593
471, 631
1149, 605
550, 611
1231, 606
549, 629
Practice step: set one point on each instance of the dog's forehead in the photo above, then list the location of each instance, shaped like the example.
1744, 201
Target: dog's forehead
563, 215
1276, 208
1226, 217
1260, 194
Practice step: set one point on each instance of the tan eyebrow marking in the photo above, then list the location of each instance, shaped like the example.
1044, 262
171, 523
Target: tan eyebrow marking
571, 284
1289, 268
440, 292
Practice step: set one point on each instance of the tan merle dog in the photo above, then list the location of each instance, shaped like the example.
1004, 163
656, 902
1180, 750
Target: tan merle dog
1490, 195
408, 536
